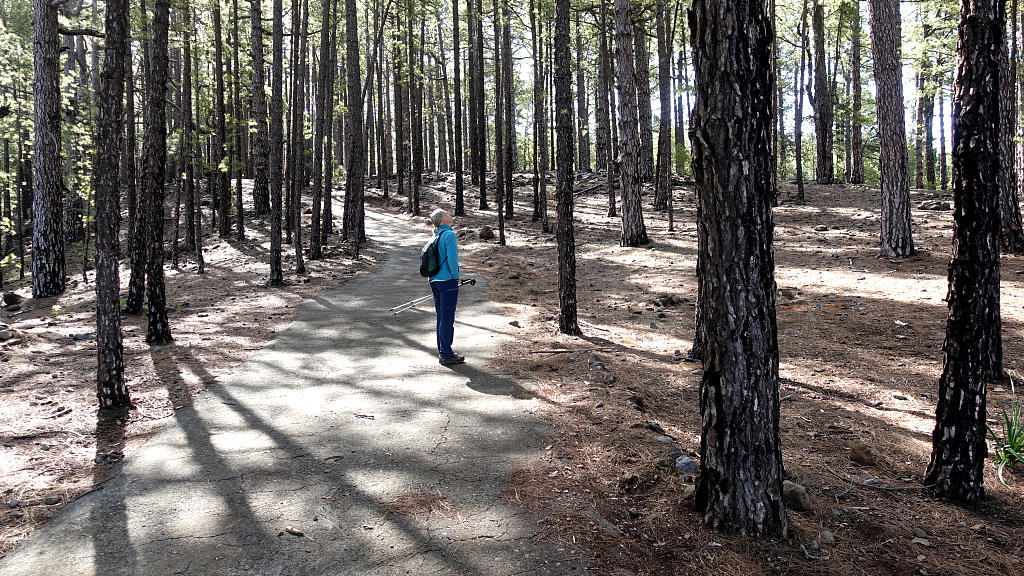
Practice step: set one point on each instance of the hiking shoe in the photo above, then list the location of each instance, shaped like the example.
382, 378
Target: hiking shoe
452, 361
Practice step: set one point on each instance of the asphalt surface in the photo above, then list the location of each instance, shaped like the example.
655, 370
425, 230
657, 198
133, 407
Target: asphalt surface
345, 428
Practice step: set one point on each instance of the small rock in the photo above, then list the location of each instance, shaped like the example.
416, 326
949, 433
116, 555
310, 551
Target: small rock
654, 325
795, 496
927, 396
52, 336
13, 298
634, 309
628, 479
920, 533
788, 293
861, 454
636, 401
689, 491
599, 405
922, 541
686, 464
821, 228
82, 336
44, 446
6, 335
514, 324
608, 378
665, 438
13, 307
663, 464
486, 233
826, 538
900, 397
51, 501
634, 513
514, 276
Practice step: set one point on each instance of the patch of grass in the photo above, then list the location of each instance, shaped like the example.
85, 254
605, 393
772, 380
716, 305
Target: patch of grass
1009, 449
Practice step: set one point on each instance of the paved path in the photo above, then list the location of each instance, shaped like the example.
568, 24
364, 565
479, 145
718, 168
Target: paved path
278, 444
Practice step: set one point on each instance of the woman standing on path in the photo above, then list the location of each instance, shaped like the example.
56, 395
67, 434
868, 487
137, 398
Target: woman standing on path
445, 286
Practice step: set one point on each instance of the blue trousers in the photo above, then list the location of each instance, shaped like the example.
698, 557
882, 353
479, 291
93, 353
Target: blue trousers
446, 297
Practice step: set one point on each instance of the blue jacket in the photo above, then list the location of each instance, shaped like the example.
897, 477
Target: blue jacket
448, 254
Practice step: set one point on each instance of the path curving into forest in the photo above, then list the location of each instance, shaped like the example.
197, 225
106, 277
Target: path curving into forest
344, 427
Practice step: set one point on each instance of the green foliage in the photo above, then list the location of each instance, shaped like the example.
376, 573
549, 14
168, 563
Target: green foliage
1009, 446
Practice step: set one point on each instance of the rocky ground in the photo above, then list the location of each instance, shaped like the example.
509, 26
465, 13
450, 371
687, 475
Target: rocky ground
860, 346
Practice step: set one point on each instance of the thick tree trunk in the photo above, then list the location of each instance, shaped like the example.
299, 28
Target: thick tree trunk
823, 102
155, 162
896, 240
276, 144
260, 146
634, 233
460, 184
856, 137
739, 489
48, 266
642, 75
110, 386
567, 321
972, 350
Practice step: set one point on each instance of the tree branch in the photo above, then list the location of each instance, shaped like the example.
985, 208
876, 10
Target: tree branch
80, 31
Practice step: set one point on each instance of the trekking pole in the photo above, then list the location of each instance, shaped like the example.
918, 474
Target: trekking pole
413, 303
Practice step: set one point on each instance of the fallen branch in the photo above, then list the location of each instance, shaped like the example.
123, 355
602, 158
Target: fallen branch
585, 323
567, 351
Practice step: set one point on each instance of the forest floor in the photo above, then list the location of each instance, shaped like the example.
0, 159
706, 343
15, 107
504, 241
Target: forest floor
860, 358
860, 346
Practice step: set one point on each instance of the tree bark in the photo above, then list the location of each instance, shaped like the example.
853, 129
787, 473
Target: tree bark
972, 350
798, 107
155, 160
355, 175
642, 75
663, 180
260, 146
583, 114
111, 390
919, 131
511, 154
739, 489
221, 179
320, 132
297, 146
49, 276
634, 233
856, 136
1011, 232
943, 174
567, 321
602, 146
499, 123
460, 184
823, 102
276, 144
896, 239
127, 167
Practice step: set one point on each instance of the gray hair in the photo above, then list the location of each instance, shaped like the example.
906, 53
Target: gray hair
436, 216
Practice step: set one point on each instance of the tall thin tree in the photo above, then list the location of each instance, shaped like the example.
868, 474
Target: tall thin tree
110, 386
567, 320
634, 232
155, 166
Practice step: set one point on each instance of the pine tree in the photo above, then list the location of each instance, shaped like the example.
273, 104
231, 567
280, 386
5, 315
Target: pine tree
567, 321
